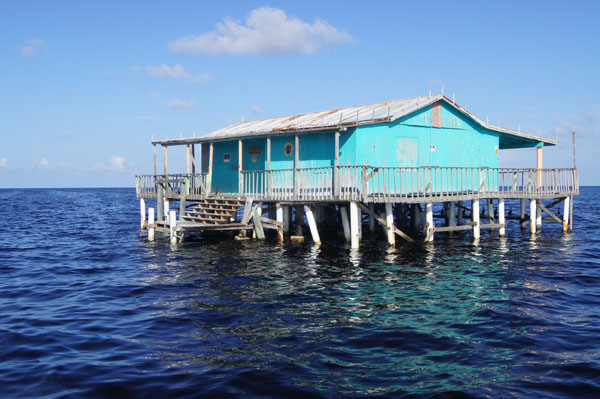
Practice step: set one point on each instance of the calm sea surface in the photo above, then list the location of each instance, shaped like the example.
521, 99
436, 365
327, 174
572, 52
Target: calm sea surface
90, 308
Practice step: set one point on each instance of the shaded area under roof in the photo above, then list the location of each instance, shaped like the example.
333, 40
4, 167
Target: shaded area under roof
352, 116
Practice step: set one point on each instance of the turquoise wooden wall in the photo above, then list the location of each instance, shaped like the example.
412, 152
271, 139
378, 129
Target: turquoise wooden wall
410, 141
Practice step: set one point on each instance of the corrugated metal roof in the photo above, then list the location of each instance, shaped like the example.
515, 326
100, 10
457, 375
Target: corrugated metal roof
340, 117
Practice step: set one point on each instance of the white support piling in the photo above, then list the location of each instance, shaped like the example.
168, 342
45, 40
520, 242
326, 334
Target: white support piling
461, 213
312, 224
501, 217
452, 214
359, 220
345, 224
151, 224
372, 219
566, 214
286, 219
532, 215
173, 226
142, 213
354, 239
279, 217
522, 214
259, 213
538, 216
429, 222
475, 213
166, 209
389, 221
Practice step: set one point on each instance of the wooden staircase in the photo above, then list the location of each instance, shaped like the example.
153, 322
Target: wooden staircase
213, 211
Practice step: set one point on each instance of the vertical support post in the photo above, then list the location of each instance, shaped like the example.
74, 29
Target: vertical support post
475, 213
194, 159
279, 217
359, 219
429, 222
296, 164
166, 159
461, 213
539, 164
371, 218
345, 223
150, 224
210, 168
523, 214
538, 215
501, 217
268, 153
312, 224
452, 214
336, 171
167, 208
183, 197
160, 201
188, 153
286, 219
354, 239
142, 213
257, 214
173, 226
240, 159
532, 215
571, 215
154, 169
415, 215
299, 221
389, 221
490, 209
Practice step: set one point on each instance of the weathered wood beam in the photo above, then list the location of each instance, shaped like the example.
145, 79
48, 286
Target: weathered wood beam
383, 222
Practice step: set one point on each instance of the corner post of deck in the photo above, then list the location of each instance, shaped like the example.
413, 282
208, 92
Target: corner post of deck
142, 213
279, 217
371, 218
501, 218
429, 225
188, 154
165, 147
296, 166
389, 221
461, 213
173, 227
286, 219
522, 217
336, 171
160, 199
150, 224
475, 214
210, 168
154, 151
312, 224
345, 224
183, 197
532, 215
566, 215
539, 163
240, 166
354, 223
538, 215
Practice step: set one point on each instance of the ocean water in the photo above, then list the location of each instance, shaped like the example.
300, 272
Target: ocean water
90, 308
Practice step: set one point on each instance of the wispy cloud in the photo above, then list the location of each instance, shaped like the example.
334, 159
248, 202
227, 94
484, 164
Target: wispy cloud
256, 110
177, 72
42, 163
117, 162
3, 162
267, 31
33, 47
177, 103
584, 125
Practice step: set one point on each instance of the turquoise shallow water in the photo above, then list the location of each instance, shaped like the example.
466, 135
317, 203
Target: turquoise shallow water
90, 308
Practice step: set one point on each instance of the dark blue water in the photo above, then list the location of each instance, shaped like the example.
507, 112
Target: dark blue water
90, 308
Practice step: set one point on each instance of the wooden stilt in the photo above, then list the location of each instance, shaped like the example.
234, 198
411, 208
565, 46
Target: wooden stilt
523, 214
299, 219
532, 215
345, 224
312, 224
173, 226
258, 210
538, 215
160, 202
501, 217
389, 219
475, 213
371, 219
415, 215
354, 215
429, 226
566, 209
150, 224
279, 217
452, 214
571, 214
286, 219
166, 208
359, 220
490, 209
142, 213
461, 213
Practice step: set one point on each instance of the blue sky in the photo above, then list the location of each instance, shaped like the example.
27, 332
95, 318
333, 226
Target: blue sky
85, 85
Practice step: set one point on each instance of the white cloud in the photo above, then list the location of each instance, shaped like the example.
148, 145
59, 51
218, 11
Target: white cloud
177, 72
267, 31
155, 95
117, 162
42, 163
3, 162
177, 103
256, 110
33, 47
585, 125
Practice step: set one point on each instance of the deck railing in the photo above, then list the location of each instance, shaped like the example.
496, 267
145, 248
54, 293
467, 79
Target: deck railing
380, 184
